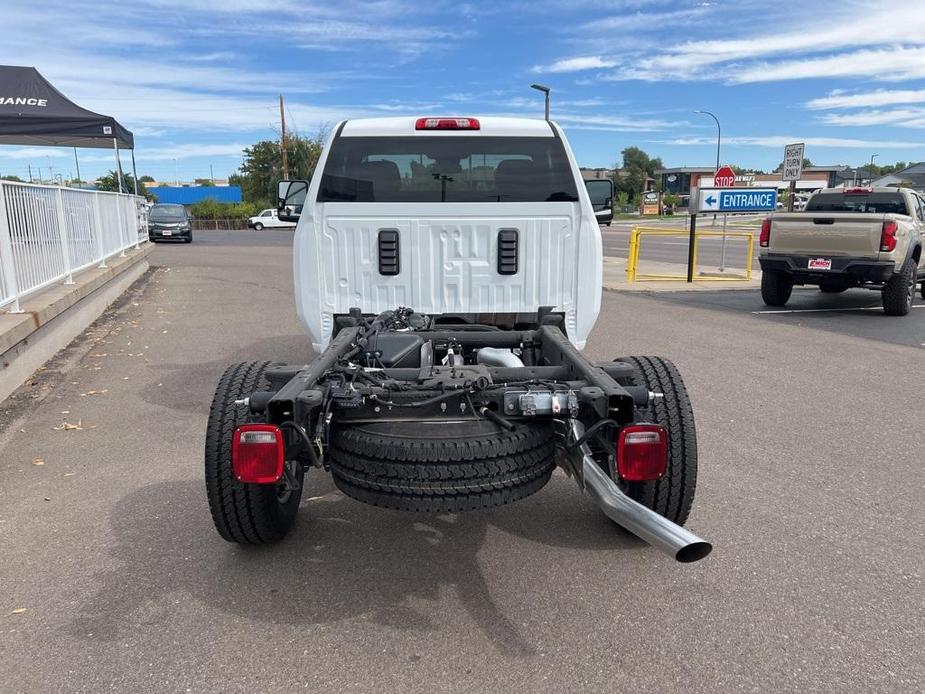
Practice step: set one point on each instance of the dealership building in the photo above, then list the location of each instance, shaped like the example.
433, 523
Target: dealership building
681, 180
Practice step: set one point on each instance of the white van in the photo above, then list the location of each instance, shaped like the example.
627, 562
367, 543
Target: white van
423, 212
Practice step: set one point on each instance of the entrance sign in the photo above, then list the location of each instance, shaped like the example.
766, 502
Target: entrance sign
738, 200
793, 162
724, 177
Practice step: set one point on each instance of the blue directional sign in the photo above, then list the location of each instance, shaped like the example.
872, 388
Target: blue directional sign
738, 200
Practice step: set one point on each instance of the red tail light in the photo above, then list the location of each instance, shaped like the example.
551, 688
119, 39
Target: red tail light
258, 453
764, 239
447, 124
888, 235
642, 452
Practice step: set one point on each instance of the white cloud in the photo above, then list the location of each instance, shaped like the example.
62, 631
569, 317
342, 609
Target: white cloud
578, 64
643, 20
880, 97
781, 140
884, 42
891, 64
862, 118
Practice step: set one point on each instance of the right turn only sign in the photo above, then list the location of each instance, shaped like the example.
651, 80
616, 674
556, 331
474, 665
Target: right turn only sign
793, 162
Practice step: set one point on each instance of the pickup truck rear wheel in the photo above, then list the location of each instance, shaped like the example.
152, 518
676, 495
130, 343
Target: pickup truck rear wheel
249, 514
673, 494
441, 466
897, 294
776, 288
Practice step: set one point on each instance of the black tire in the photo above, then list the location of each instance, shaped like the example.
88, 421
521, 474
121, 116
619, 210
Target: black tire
673, 494
441, 466
899, 291
776, 288
258, 227
249, 514
922, 290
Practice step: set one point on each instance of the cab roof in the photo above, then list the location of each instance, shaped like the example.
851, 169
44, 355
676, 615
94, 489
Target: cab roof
490, 126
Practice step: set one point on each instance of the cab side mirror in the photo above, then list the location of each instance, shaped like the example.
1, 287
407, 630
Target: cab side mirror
290, 197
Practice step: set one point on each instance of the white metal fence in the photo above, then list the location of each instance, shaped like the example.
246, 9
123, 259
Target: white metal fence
48, 233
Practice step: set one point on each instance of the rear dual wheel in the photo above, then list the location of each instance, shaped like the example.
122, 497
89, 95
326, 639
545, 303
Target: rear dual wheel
673, 494
249, 514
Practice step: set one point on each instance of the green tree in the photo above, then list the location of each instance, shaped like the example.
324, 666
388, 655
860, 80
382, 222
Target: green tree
11, 178
637, 168
110, 182
146, 179
204, 182
262, 166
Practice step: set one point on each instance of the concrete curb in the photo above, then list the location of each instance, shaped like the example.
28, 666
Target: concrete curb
58, 314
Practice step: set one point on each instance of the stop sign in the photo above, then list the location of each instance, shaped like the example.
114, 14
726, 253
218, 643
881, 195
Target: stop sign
724, 177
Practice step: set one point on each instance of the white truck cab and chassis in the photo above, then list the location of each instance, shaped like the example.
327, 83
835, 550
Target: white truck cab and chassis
448, 272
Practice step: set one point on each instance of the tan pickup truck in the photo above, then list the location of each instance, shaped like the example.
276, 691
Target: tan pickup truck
847, 237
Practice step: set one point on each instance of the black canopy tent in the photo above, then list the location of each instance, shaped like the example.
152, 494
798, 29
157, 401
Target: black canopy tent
33, 112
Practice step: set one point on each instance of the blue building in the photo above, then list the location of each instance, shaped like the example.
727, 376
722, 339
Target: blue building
193, 194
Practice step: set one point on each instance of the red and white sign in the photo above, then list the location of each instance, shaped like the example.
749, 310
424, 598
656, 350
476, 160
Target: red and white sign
819, 264
724, 177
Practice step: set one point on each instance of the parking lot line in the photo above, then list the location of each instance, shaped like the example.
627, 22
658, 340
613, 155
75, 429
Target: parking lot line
827, 310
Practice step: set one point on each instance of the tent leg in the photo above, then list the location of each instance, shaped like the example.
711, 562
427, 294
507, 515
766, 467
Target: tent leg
115, 145
134, 172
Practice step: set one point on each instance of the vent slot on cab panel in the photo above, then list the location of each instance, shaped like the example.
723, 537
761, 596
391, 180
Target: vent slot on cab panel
388, 252
507, 251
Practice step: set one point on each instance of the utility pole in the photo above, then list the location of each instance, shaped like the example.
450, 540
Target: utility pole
30, 172
211, 174
282, 144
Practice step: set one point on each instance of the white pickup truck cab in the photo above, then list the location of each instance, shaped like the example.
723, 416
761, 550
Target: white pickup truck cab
450, 216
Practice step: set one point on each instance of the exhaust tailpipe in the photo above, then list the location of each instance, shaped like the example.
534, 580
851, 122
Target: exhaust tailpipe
643, 522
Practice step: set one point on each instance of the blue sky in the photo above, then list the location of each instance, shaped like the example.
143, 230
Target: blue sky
198, 80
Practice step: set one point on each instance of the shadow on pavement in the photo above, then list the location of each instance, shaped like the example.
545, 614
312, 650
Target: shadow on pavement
175, 387
343, 560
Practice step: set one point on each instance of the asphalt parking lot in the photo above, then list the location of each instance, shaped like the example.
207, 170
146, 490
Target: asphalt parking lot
810, 489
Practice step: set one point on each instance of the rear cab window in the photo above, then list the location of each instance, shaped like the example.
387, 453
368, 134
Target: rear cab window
447, 169
877, 203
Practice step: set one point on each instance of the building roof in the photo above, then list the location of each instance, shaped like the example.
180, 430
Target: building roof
685, 169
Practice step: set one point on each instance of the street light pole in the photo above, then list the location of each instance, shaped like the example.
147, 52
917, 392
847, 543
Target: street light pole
722, 264
545, 90
870, 170
718, 133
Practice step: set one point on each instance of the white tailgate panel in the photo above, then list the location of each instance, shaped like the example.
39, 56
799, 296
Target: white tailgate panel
448, 267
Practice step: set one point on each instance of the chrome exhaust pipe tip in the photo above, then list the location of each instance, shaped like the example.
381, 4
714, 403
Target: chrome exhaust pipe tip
643, 522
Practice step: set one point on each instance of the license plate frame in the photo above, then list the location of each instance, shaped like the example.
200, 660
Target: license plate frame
819, 264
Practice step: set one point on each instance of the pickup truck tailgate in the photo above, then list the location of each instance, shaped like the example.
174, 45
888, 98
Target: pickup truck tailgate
828, 233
